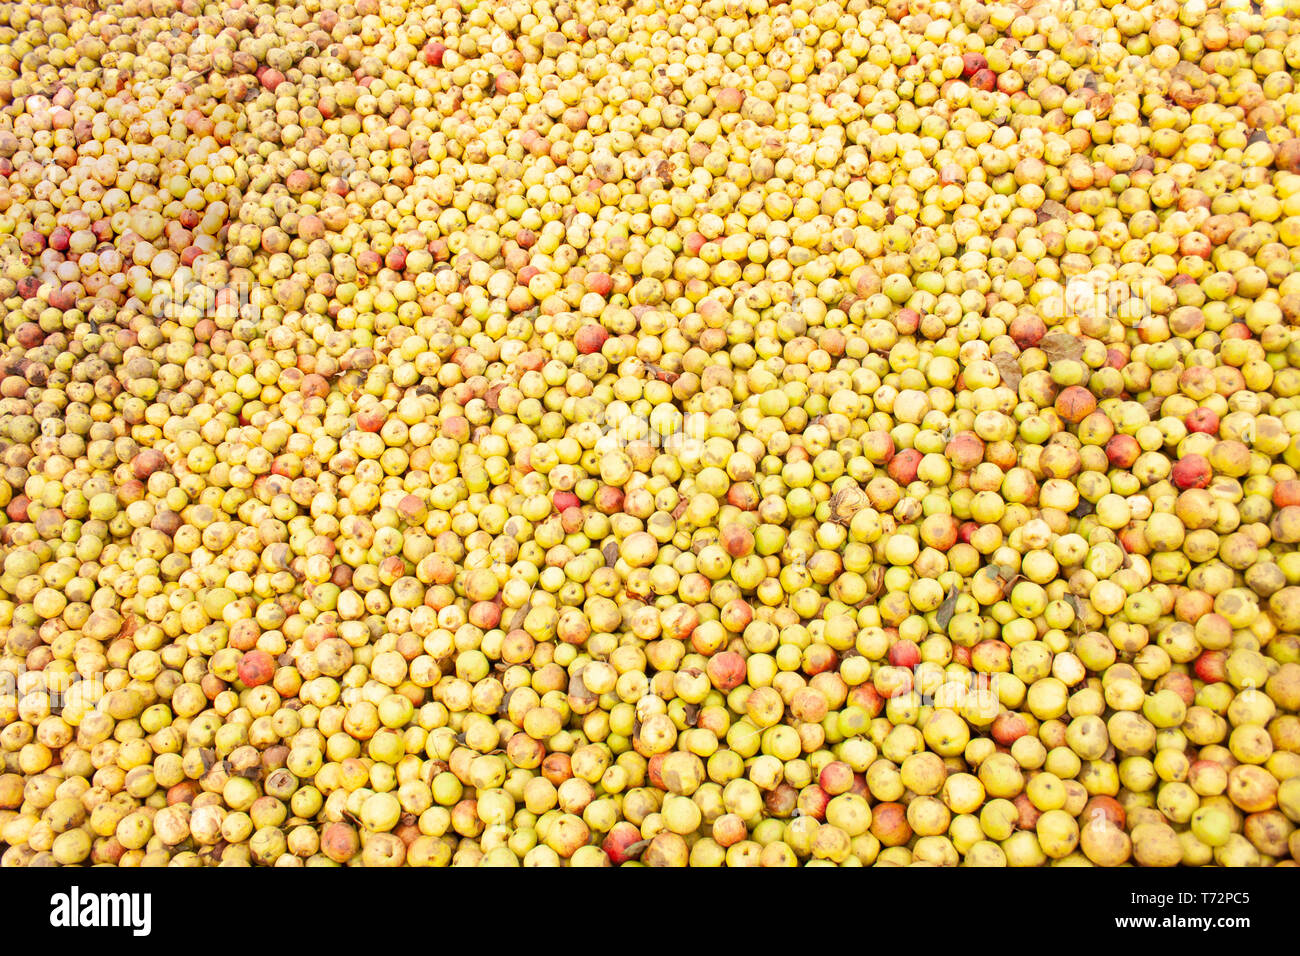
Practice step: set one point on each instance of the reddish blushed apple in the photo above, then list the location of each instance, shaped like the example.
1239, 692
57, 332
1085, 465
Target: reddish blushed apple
903, 466
889, 824
868, 698
905, 654
1286, 493
972, 63
726, 671
256, 668
836, 777
1202, 420
1211, 666
1122, 450
433, 52
1192, 471
590, 338
621, 837
564, 500
1008, 727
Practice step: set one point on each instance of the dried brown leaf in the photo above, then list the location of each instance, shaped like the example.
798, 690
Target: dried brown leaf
1004, 571
948, 608
633, 851
1009, 368
1060, 346
1077, 606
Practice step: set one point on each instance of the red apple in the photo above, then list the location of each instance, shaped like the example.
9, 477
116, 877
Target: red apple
812, 801
1122, 450
972, 63
868, 698
598, 282
608, 499
433, 51
907, 321
372, 419
1196, 244
819, 658
1026, 330
1211, 667
965, 451
621, 836
485, 614
1008, 727
256, 668
902, 467
736, 615
737, 540
905, 654
1202, 420
571, 520
147, 462
17, 508
1192, 471
1286, 493
726, 671
836, 777
339, 842
590, 338
889, 824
